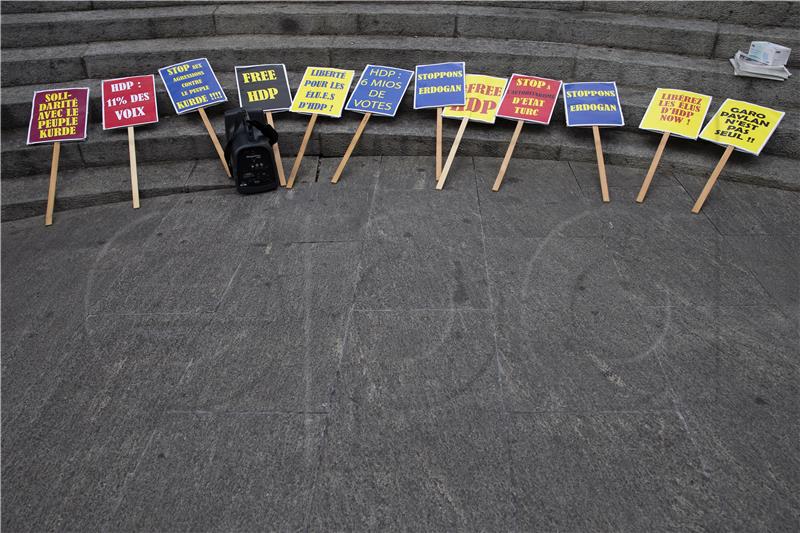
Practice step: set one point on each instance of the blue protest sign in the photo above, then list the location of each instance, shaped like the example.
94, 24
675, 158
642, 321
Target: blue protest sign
379, 90
594, 103
191, 85
439, 85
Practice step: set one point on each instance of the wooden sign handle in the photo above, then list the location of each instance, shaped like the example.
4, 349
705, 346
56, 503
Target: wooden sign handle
653, 167
438, 143
507, 158
698, 205
353, 143
134, 172
277, 152
299, 158
452, 154
601, 165
215, 140
51, 192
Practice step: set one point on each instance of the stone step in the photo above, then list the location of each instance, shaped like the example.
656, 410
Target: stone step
77, 188
780, 13
619, 30
38, 6
16, 108
111, 184
26, 30
16, 6
785, 13
183, 138
491, 56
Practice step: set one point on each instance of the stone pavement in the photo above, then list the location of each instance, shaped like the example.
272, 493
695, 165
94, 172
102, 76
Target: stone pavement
377, 355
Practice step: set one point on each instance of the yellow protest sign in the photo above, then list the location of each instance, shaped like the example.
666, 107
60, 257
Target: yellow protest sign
322, 91
745, 126
678, 112
483, 98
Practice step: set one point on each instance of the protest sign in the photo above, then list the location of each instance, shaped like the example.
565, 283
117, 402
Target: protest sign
379, 91
678, 112
483, 99
672, 112
526, 99
594, 104
745, 126
529, 99
322, 91
439, 85
129, 102
741, 126
192, 85
57, 115
265, 89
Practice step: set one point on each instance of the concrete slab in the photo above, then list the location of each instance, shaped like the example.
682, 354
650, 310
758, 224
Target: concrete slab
538, 181
566, 317
422, 273
695, 269
419, 173
412, 361
316, 212
614, 454
774, 260
99, 413
266, 460
372, 474
361, 172
742, 209
735, 372
380, 355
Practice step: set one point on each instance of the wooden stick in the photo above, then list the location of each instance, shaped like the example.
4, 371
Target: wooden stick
215, 140
653, 167
507, 158
452, 154
353, 143
438, 142
299, 158
134, 172
51, 193
601, 165
698, 205
277, 152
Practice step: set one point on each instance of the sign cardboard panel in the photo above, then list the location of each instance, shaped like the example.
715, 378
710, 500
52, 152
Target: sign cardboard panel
129, 101
192, 85
529, 99
483, 99
745, 126
379, 90
263, 88
678, 112
59, 115
439, 85
593, 103
322, 91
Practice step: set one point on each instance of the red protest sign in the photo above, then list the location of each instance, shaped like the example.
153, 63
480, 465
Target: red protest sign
58, 115
129, 102
529, 99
